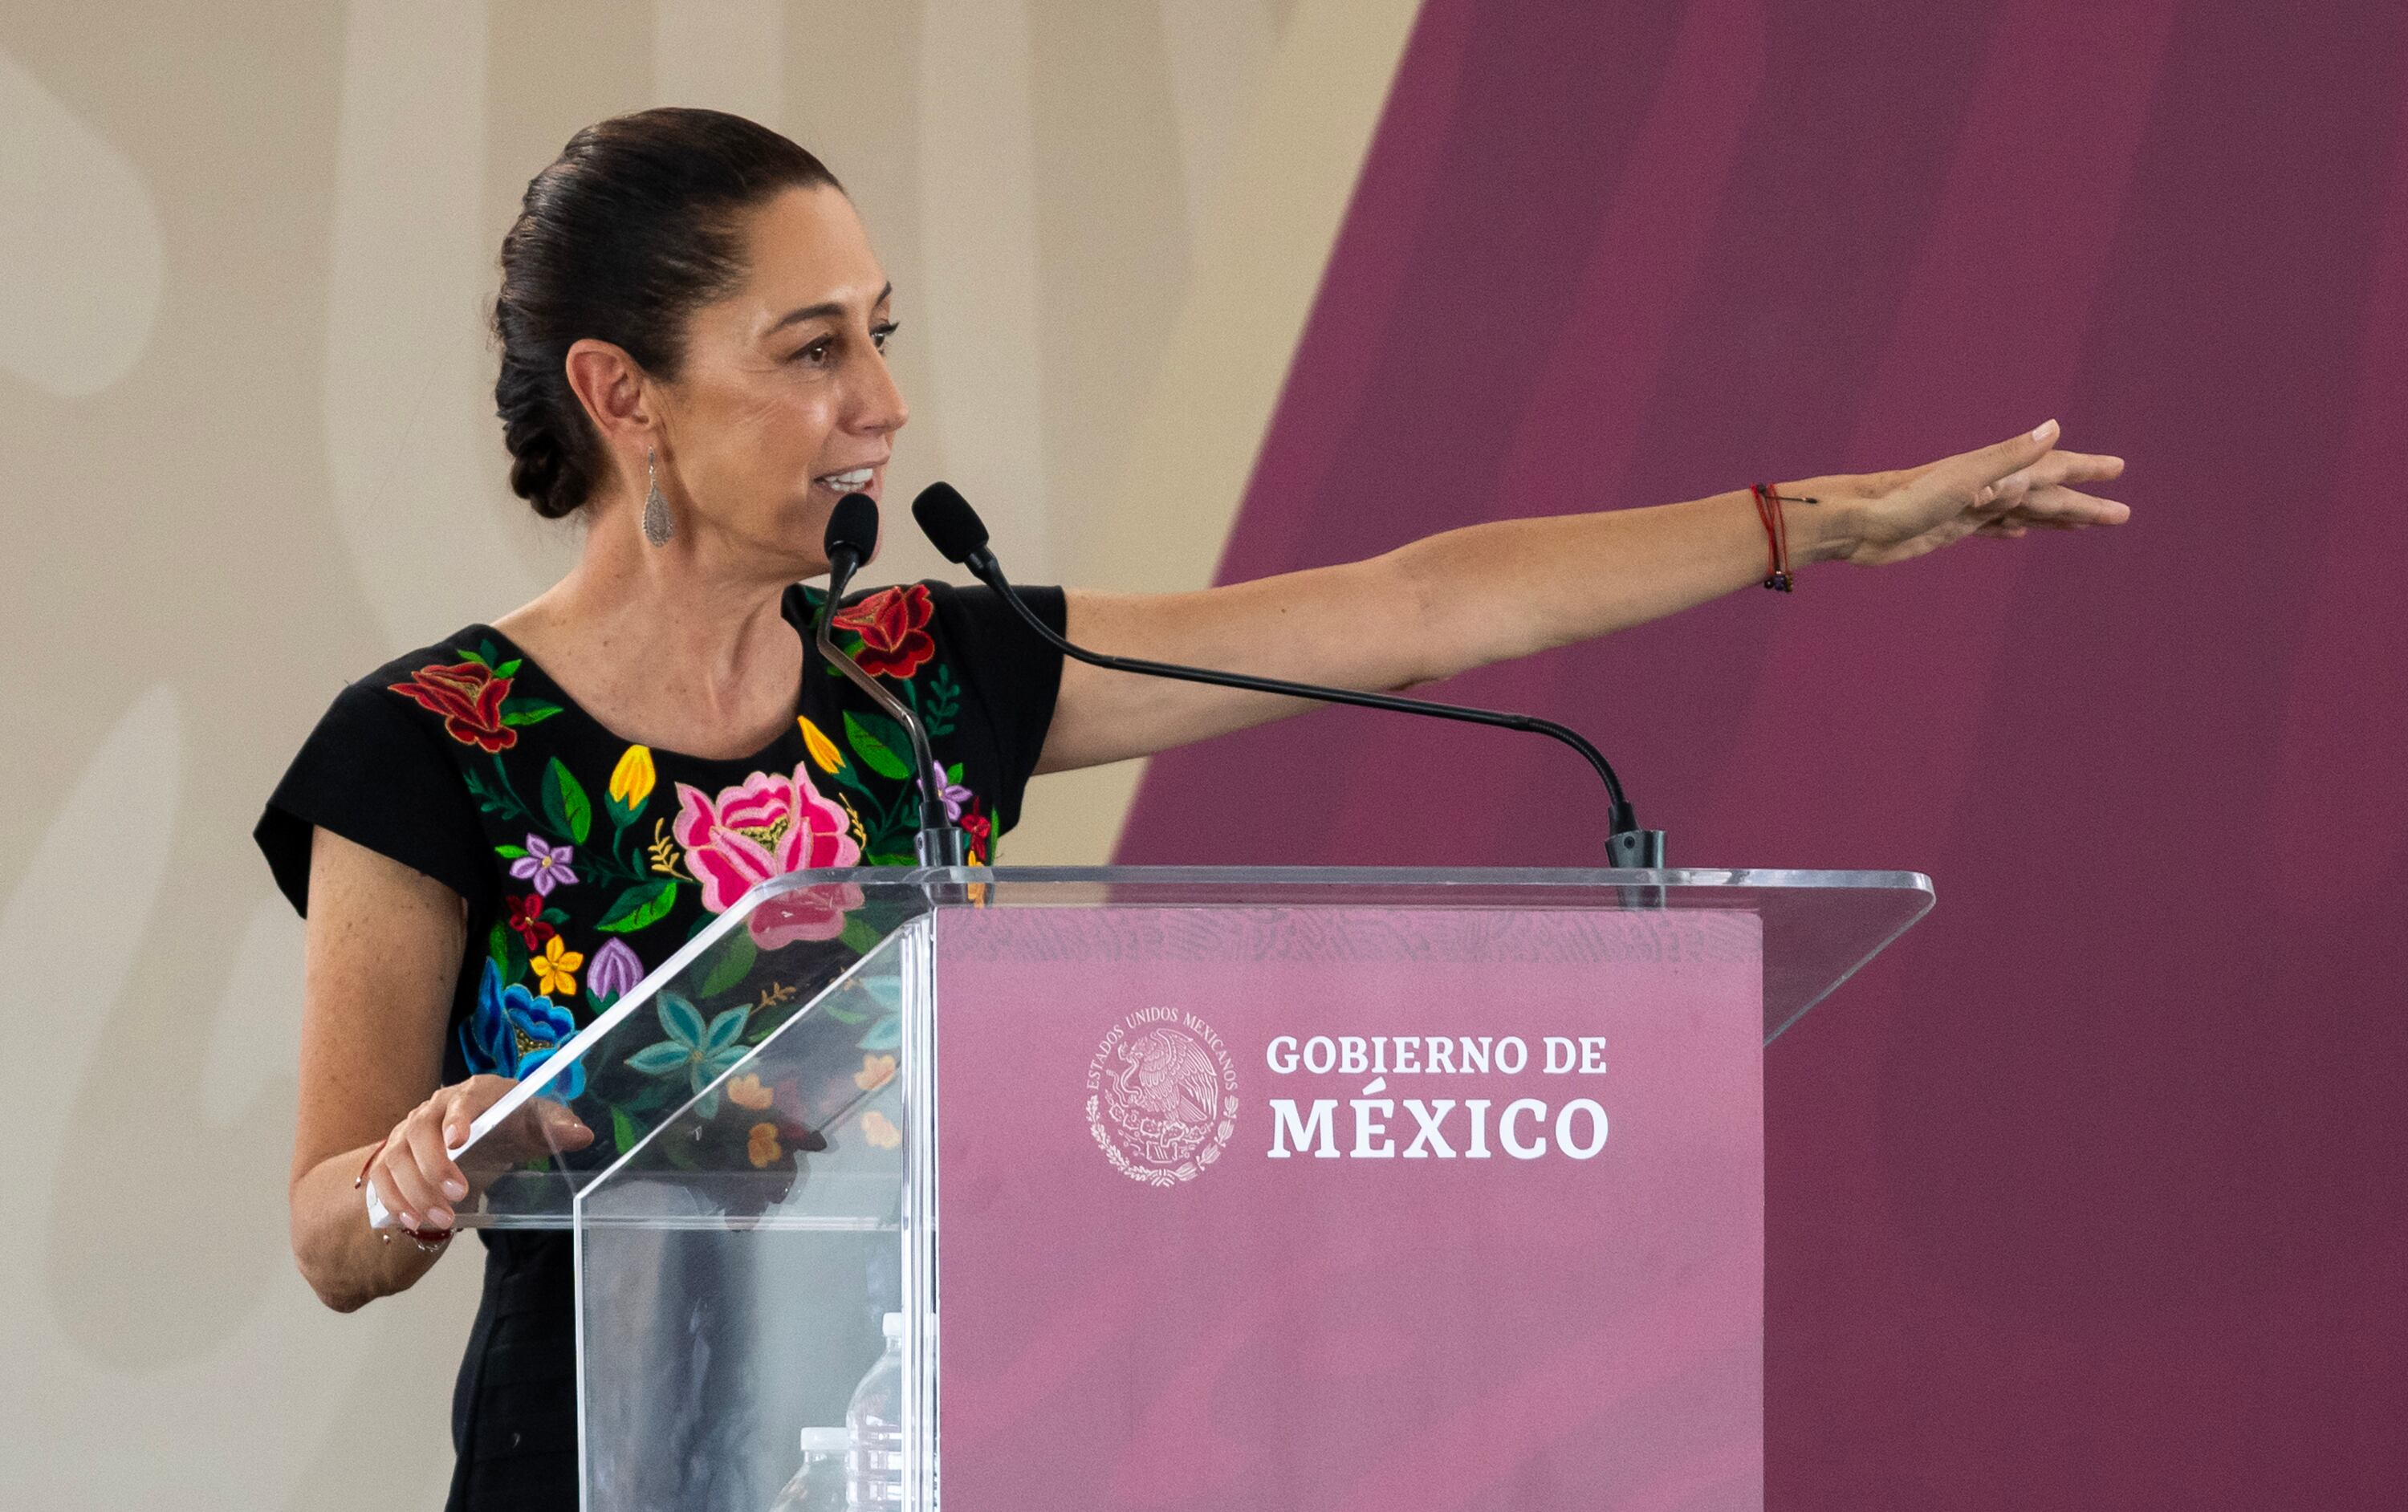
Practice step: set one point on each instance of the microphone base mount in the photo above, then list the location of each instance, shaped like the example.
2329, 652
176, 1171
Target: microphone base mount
1635, 849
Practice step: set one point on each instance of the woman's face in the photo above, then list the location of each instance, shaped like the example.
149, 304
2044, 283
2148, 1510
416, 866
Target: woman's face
783, 404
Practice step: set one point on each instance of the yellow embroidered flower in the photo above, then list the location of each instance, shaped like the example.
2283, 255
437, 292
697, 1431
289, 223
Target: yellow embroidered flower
823, 749
747, 1091
876, 1072
763, 1148
879, 1129
553, 968
630, 780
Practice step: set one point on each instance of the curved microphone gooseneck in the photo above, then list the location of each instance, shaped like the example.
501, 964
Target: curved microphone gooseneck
852, 536
949, 522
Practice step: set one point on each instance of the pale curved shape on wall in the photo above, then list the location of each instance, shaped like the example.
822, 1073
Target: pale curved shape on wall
70, 933
80, 263
977, 209
1218, 51
412, 449
258, 1022
1274, 213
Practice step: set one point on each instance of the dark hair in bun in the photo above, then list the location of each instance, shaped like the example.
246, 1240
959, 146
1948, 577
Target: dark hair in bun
630, 230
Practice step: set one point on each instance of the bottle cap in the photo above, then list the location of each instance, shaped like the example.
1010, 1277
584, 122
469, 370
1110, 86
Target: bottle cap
827, 1441
892, 1326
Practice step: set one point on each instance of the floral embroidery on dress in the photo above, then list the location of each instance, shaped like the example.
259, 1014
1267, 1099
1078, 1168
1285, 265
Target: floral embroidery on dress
612, 855
473, 695
766, 827
892, 625
514, 1031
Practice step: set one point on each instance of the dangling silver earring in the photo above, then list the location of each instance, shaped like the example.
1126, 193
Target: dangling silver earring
658, 527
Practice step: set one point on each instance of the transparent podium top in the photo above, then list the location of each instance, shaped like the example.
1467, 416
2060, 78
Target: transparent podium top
812, 961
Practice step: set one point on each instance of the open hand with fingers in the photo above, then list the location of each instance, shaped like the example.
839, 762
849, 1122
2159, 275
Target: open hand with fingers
2020, 484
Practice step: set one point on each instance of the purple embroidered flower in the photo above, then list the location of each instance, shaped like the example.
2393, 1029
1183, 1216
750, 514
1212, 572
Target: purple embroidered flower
545, 865
613, 973
954, 796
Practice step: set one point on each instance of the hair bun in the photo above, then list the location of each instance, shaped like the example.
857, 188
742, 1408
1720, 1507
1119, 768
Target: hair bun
630, 230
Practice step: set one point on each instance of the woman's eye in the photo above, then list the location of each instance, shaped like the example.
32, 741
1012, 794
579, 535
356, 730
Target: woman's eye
880, 331
816, 352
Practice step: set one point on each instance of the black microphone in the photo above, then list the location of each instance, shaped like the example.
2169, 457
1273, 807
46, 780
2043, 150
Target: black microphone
852, 536
949, 522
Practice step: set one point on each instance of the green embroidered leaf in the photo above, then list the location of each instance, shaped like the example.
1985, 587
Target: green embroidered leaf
565, 804
553, 916
859, 936
486, 653
623, 815
660, 1059
509, 668
638, 907
526, 714
498, 946
623, 1130
513, 957
509, 852
468, 655
892, 858
729, 965
953, 773
944, 702
847, 778
877, 739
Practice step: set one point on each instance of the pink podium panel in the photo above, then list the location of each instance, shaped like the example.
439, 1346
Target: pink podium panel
1349, 1209
1173, 1190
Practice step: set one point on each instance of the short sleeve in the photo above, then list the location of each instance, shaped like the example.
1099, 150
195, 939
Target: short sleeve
1012, 675
373, 774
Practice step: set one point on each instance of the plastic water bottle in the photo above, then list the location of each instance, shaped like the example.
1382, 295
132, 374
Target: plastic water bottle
819, 1484
873, 1469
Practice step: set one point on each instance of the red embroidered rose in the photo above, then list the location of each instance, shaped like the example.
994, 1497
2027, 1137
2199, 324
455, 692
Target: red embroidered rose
469, 698
526, 918
893, 625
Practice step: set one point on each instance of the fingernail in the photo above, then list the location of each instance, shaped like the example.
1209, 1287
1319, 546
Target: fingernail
438, 1218
2043, 431
455, 1189
409, 1219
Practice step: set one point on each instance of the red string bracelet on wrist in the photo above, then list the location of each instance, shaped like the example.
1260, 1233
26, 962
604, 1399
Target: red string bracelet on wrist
1776, 533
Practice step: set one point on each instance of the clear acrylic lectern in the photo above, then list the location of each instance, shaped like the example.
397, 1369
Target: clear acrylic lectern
1184, 1188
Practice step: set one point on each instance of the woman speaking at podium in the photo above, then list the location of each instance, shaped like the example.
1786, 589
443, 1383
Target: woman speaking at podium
495, 835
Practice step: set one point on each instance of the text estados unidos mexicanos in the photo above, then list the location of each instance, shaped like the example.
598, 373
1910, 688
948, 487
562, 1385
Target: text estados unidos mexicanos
1439, 1132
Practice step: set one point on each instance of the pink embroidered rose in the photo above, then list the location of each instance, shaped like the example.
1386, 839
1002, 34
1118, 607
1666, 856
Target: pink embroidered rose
771, 826
805, 913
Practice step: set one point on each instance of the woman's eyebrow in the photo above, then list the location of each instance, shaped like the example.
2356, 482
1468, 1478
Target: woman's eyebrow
825, 310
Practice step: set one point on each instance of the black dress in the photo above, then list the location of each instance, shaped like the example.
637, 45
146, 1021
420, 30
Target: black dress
586, 860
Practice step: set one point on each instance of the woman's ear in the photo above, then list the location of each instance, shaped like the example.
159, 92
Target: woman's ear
610, 385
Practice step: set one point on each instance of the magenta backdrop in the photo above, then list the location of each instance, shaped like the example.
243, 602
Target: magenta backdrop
2091, 1192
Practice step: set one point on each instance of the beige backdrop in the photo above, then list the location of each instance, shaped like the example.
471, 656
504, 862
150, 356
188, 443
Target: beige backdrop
247, 450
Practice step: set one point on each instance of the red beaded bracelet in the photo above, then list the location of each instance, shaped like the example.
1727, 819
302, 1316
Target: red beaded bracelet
1776, 533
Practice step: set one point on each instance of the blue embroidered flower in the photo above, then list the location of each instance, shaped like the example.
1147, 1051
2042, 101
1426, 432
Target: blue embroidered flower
512, 1032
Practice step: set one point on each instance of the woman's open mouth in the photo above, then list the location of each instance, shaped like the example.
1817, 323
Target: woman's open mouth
847, 482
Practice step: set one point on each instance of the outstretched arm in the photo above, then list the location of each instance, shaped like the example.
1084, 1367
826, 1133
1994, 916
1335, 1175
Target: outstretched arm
1492, 593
